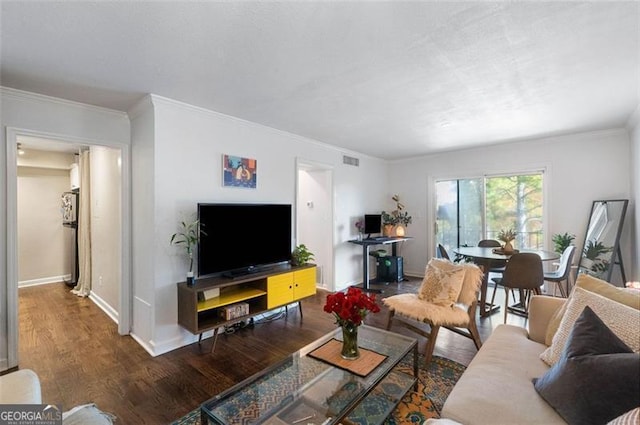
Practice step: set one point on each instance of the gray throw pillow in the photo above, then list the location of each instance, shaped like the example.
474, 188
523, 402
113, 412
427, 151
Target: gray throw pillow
597, 377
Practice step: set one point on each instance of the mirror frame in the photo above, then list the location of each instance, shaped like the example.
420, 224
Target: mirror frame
615, 258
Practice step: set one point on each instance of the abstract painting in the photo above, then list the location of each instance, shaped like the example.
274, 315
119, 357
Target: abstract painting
239, 172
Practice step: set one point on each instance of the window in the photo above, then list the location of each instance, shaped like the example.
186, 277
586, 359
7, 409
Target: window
469, 210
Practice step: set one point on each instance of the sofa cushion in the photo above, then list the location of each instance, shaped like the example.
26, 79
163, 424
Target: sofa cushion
622, 320
597, 377
600, 287
496, 388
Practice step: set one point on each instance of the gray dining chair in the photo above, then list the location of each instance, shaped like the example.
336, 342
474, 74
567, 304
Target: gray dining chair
561, 274
524, 272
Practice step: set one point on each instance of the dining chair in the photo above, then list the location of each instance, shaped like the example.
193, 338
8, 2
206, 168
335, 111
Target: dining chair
412, 309
442, 252
497, 266
563, 271
524, 272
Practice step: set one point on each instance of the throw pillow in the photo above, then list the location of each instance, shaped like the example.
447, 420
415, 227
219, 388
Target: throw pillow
597, 286
622, 320
442, 282
597, 378
632, 417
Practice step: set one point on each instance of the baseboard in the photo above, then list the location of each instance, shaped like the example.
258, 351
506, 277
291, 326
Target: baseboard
43, 281
156, 349
104, 306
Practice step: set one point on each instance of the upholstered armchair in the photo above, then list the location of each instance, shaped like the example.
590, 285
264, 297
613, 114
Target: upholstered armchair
447, 298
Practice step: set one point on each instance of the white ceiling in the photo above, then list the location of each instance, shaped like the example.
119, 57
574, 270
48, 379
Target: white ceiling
390, 79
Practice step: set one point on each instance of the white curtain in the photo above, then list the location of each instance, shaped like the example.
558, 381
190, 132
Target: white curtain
83, 287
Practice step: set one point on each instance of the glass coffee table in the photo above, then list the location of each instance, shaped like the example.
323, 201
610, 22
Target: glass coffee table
301, 390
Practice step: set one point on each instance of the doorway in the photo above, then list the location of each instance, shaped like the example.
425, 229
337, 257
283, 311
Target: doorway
314, 217
118, 276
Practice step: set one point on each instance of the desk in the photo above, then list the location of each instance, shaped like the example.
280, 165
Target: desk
366, 243
483, 257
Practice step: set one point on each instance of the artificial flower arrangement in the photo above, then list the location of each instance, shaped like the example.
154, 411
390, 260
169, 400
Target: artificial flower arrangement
351, 307
360, 226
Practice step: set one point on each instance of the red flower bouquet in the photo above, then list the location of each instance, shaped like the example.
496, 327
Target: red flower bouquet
351, 307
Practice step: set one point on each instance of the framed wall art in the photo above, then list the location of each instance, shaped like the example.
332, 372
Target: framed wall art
239, 172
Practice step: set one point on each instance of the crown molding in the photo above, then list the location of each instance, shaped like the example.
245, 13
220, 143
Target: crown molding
140, 107
12, 93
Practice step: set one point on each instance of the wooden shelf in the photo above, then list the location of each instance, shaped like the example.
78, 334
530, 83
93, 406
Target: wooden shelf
229, 297
200, 316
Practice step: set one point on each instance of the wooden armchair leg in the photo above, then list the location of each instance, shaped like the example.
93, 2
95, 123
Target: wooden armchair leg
431, 345
475, 335
390, 319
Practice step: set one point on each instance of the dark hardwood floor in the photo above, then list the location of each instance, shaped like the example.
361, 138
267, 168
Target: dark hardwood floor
80, 358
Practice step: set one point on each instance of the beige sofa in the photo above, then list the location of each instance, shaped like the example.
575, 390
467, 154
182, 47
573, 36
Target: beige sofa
20, 387
496, 387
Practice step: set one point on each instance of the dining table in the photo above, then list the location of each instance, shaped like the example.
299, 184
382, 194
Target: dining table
485, 258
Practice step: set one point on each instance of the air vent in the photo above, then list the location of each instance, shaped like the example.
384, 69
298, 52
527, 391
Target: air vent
349, 160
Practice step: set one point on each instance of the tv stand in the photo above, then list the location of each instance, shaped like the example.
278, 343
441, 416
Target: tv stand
262, 290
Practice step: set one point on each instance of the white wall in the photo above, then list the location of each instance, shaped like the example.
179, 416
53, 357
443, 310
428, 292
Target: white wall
105, 227
60, 119
188, 144
580, 168
634, 128
44, 244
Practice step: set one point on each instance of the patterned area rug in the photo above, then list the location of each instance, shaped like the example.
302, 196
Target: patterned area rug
434, 386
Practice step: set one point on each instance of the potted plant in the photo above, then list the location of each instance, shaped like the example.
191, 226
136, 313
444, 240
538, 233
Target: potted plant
562, 241
397, 219
507, 236
301, 255
188, 236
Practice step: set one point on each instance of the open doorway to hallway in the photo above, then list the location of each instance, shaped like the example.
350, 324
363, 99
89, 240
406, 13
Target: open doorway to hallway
46, 218
314, 217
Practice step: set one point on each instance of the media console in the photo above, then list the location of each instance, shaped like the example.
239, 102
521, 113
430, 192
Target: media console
262, 291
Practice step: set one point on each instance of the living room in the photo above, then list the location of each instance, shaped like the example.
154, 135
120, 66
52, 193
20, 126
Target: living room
172, 160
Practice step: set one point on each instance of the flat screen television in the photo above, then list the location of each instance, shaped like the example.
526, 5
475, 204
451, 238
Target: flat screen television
242, 238
372, 224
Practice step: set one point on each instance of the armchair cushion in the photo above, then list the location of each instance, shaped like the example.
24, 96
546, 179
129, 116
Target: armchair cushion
442, 282
409, 305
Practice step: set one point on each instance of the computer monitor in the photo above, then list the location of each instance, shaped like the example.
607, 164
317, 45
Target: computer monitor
372, 224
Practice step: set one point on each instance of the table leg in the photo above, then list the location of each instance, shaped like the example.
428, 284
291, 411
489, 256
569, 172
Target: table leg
486, 309
365, 271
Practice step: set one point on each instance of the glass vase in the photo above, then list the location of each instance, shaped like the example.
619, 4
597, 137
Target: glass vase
350, 341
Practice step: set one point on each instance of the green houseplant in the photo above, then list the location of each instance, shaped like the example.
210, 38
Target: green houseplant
188, 236
562, 241
301, 255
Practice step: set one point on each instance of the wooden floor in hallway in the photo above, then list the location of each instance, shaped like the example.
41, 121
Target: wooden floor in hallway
75, 349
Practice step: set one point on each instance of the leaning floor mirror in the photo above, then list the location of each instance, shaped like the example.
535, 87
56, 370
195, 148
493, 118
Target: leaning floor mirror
601, 249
